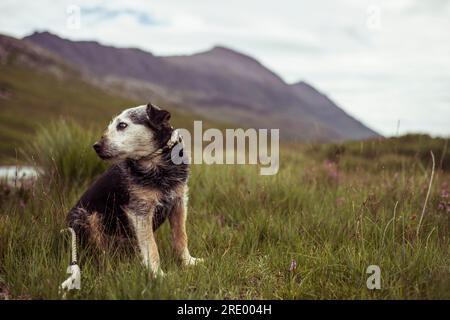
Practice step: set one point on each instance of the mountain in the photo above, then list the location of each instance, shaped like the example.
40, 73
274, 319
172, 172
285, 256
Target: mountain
323, 108
221, 84
36, 87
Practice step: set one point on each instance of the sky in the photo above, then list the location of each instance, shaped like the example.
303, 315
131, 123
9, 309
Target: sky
387, 63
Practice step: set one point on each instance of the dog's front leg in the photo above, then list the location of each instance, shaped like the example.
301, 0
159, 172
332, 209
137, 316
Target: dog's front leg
177, 220
143, 228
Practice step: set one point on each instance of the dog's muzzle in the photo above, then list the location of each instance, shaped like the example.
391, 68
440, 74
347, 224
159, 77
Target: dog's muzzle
99, 149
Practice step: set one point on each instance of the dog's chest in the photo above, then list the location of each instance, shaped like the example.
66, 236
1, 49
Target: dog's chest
164, 207
167, 201
157, 203
146, 200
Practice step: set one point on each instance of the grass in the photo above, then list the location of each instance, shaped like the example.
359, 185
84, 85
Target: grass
395, 153
36, 97
63, 151
333, 216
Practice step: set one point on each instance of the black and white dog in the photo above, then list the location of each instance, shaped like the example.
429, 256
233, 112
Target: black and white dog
141, 189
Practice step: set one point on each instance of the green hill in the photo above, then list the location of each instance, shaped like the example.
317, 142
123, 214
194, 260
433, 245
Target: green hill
30, 98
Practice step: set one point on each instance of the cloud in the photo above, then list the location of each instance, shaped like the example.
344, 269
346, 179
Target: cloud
398, 70
103, 13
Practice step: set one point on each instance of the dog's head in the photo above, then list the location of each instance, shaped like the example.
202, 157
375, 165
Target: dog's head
135, 133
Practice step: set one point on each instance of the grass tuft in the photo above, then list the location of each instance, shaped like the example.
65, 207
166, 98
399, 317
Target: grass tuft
63, 151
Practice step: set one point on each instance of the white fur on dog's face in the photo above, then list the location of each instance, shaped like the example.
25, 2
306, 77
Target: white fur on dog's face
127, 136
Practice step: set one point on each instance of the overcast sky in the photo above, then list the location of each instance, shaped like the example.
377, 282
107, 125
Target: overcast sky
381, 61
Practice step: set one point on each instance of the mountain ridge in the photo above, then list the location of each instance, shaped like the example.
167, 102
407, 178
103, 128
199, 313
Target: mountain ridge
221, 83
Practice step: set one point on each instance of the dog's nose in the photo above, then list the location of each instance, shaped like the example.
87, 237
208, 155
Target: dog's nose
97, 146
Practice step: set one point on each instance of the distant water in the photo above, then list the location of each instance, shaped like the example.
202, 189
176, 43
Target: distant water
10, 174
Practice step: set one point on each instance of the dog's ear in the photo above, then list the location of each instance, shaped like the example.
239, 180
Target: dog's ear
157, 116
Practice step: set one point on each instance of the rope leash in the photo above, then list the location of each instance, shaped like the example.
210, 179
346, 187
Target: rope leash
74, 281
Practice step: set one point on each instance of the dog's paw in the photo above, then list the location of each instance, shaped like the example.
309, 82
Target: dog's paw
159, 274
191, 261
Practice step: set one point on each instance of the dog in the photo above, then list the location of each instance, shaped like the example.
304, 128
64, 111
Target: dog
142, 188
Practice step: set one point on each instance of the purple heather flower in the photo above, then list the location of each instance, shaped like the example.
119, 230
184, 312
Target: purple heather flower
293, 266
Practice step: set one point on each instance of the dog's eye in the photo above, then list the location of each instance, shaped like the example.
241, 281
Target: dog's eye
121, 126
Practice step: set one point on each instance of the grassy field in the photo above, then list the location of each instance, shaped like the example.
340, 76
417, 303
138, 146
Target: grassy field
333, 209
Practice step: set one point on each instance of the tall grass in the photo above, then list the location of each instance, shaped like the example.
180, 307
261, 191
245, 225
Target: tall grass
63, 151
397, 153
333, 220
